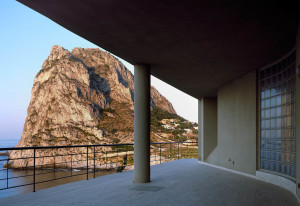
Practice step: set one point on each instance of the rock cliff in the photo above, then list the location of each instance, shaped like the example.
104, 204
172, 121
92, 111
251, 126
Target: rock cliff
81, 97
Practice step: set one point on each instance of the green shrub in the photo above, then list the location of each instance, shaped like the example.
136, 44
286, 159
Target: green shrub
83, 131
115, 140
110, 110
124, 164
114, 131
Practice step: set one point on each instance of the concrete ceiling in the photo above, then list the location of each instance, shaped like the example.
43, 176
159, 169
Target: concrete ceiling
196, 46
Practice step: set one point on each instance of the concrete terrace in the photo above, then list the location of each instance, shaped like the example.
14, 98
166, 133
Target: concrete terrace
181, 182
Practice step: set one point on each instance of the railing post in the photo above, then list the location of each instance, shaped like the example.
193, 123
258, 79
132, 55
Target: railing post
178, 150
7, 173
33, 170
188, 151
170, 152
159, 153
54, 168
71, 164
117, 155
106, 159
196, 154
87, 163
94, 161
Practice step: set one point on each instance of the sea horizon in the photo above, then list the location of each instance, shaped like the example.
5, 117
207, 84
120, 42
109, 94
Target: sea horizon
8, 142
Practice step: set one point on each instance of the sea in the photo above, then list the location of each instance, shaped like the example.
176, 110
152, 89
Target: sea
16, 177
4, 143
8, 142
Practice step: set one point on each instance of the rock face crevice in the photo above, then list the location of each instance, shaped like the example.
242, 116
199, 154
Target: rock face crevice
72, 94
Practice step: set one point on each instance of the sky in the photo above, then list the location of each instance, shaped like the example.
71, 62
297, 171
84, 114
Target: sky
26, 38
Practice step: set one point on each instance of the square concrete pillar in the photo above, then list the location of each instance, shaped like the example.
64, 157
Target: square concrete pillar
208, 125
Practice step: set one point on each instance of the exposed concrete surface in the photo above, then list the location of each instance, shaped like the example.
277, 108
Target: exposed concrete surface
236, 147
141, 123
209, 126
182, 182
195, 46
199, 130
298, 110
277, 180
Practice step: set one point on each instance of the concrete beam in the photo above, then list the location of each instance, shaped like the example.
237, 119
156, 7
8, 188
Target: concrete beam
141, 123
180, 40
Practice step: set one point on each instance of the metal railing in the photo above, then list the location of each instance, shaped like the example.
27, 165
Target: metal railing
38, 165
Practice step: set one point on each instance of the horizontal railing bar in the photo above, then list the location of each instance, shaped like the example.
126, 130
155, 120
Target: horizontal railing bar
45, 173
60, 178
46, 156
21, 158
15, 177
6, 188
96, 145
68, 146
74, 154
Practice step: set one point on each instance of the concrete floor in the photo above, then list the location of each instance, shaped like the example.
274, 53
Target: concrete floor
182, 182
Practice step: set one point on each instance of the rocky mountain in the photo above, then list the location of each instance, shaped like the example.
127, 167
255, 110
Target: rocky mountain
73, 91
82, 97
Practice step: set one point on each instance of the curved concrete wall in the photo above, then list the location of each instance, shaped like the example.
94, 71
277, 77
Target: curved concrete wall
237, 133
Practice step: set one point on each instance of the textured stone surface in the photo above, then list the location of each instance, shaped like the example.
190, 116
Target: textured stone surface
71, 94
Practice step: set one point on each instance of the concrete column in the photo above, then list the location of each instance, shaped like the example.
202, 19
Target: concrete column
298, 113
208, 123
199, 130
141, 123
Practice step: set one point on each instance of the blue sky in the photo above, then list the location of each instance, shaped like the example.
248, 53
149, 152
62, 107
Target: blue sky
26, 38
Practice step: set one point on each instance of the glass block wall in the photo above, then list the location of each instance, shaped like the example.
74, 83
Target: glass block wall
277, 140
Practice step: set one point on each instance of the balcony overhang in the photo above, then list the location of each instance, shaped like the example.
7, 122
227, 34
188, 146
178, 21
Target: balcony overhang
196, 46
